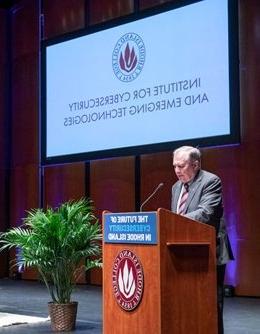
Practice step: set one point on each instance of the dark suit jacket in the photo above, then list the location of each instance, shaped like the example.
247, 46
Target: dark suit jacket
204, 204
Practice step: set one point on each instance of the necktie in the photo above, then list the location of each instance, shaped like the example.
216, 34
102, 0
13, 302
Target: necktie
183, 199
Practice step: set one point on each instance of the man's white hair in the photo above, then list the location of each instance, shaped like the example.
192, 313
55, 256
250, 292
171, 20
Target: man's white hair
193, 153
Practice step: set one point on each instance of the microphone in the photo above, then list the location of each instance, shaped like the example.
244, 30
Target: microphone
152, 194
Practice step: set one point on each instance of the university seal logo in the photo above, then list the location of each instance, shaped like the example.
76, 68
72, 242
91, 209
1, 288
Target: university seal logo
128, 57
128, 280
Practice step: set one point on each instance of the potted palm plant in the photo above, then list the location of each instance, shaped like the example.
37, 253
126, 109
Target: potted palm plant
54, 241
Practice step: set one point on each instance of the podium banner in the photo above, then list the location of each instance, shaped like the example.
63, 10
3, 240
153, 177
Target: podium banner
130, 228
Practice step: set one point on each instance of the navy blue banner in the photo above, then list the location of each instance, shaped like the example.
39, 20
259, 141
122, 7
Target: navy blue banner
130, 228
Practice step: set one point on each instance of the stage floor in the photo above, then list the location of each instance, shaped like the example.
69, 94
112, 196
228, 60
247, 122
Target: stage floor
30, 298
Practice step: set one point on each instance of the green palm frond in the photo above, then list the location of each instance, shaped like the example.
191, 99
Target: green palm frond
55, 241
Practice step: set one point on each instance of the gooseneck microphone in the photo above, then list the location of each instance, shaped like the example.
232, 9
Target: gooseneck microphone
150, 196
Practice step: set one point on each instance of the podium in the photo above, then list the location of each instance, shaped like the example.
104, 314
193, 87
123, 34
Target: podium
179, 293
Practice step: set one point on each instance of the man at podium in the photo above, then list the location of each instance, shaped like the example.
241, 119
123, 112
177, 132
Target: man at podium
198, 195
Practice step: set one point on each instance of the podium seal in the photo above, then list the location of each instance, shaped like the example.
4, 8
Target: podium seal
127, 280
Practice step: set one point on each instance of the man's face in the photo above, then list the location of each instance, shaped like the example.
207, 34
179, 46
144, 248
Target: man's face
184, 169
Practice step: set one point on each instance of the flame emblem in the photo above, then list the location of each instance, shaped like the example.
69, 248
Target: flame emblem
128, 60
128, 57
126, 281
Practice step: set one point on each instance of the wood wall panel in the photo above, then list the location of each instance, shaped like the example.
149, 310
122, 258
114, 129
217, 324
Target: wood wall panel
25, 28
4, 200
247, 273
4, 137
63, 183
3, 34
250, 83
246, 270
249, 16
4, 217
4, 119
25, 109
112, 184
60, 19
25, 82
103, 10
23, 197
24, 192
112, 187
155, 169
3, 114
24, 174
144, 4
249, 68
226, 162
